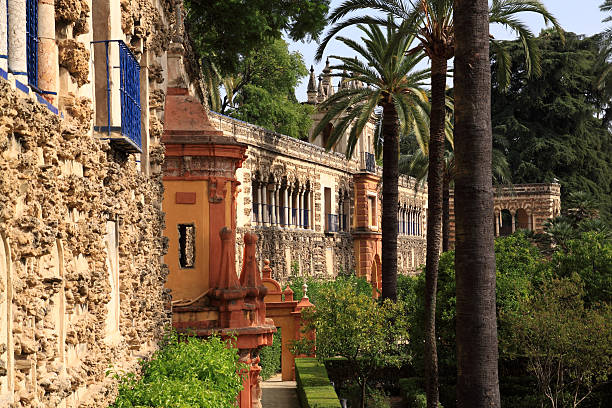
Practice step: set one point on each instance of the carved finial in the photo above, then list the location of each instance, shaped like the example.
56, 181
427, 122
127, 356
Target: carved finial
266, 271
305, 289
288, 294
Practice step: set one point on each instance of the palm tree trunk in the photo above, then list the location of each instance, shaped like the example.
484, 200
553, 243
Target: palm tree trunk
434, 223
445, 214
477, 353
389, 202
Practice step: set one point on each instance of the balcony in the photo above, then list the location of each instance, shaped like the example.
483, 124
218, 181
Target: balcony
370, 162
118, 95
332, 222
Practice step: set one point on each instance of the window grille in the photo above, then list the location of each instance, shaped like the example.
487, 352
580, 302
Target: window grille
32, 41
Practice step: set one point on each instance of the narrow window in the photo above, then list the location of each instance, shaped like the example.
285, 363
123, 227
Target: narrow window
372, 211
186, 245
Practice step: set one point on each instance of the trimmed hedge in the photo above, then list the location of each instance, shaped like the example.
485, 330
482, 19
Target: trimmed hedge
314, 388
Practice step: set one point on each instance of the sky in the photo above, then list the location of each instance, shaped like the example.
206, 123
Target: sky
578, 16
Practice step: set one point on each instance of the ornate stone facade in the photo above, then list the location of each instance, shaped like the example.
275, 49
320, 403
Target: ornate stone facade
523, 206
81, 246
301, 202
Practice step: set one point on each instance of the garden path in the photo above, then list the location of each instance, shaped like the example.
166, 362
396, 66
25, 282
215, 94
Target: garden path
279, 394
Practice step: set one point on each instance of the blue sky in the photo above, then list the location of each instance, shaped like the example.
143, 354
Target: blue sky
579, 16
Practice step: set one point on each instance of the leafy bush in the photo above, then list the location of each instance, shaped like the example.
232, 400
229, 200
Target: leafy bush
369, 334
315, 286
412, 391
185, 372
314, 388
270, 357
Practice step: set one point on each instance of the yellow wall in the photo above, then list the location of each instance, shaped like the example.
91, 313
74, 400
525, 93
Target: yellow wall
187, 283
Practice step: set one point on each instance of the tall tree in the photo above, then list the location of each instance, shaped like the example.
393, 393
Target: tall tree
263, 91
225, 31
550, 128
431, 21
392, 84
477, 353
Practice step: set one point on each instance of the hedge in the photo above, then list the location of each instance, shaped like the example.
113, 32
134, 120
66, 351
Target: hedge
314, 388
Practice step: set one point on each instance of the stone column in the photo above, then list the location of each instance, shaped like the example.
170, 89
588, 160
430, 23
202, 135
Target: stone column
264, 204
277, 212
513, 222
496, 225
306, 210
286, 209
3, 36
290, 207
272, 205
47, 50
259, 219
301, 208
17, 58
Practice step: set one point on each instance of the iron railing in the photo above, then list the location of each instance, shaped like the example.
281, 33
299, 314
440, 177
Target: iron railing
129, 96
32, 42
332, 223
370, 162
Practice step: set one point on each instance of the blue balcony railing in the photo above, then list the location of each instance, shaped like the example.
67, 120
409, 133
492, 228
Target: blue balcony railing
370, 162
130, 94
332, 223
32, 42
129, 139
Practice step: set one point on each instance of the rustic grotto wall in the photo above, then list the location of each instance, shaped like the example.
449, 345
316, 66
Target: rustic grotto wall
81, 246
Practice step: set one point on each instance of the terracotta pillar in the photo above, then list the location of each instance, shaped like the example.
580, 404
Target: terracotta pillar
17, 59
3, 36
264, 204
47, 50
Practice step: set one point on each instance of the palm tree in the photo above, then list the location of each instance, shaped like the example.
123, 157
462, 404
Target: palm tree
432, 23
416, 164
477, 353
392, 93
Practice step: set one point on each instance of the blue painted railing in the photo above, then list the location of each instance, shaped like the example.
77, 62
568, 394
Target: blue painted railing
370, 162
129, 95
332, 223
32, 41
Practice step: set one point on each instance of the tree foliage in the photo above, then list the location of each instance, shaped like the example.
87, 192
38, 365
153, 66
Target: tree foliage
262, 91
226, 31
185, 372
368, 334
568, 346
549, 127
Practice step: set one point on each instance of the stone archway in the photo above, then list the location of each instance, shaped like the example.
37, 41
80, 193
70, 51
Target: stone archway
505, 228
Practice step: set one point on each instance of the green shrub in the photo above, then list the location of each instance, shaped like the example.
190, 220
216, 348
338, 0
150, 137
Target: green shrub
271, 356
314, 388
412, 391
185, 372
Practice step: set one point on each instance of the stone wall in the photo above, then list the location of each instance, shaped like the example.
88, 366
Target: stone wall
522, 206
81, 246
